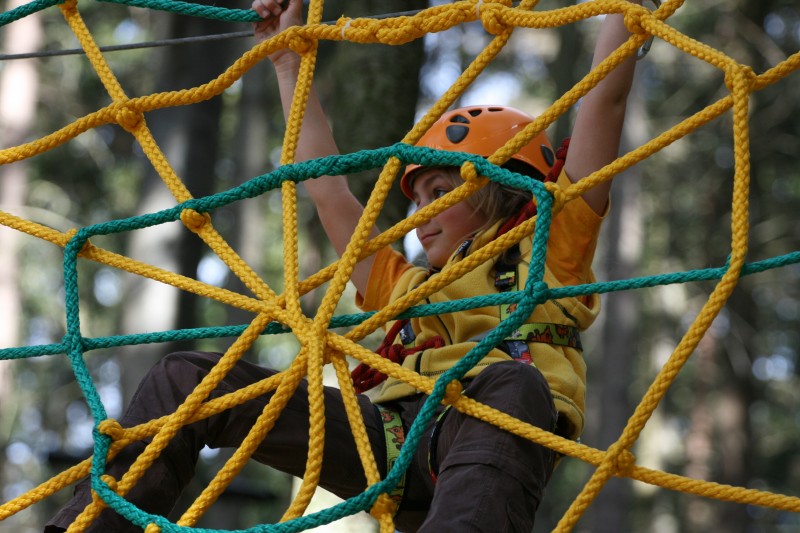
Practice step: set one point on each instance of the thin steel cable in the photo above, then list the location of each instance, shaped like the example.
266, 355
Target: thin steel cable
174, 41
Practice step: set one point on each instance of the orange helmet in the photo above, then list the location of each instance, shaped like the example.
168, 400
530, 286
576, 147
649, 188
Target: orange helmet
481, 130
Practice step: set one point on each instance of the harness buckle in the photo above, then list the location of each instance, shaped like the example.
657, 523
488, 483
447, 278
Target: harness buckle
518, 350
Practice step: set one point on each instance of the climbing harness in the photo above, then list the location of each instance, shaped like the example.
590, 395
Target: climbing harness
395, 437
506, 277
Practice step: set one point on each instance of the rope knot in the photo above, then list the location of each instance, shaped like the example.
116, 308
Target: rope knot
633, 18
491, 17
110, 480
559, 197
70, 234
469, 173
735, 70
194, 220
73, 341
539, 291
299, 43
128, 119
383, 505
112, 428
452, 392
624, 463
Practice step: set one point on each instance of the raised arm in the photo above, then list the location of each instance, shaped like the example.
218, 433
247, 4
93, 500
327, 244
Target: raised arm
601, 114
338, 209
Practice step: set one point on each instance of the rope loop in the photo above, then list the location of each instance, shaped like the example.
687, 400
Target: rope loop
749, 75
452, 392
633, 18
70, 234
128, 119
558, 194
110, 480
112, 428
298, 42
194, 220
470, 174
624, 463
492, 18
539, 291
73, 341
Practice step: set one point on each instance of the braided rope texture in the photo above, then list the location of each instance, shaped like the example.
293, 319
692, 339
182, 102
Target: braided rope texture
279, 313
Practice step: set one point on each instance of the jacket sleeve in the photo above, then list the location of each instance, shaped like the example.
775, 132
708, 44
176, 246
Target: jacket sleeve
387, 270
573, 240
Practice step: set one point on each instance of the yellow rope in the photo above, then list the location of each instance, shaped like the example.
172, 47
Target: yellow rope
319, 346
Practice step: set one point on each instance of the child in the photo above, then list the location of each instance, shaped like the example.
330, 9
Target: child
466, 475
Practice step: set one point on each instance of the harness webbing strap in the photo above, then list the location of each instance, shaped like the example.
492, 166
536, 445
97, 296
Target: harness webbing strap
557, 334
395, 437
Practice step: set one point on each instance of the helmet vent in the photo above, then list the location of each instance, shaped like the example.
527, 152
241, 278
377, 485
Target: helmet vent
548, 155
456, 133
475, 112
460, 119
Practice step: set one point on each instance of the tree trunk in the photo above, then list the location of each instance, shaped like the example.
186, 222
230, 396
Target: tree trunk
570, 65
190, 139
371, 92
19, 83
612, 372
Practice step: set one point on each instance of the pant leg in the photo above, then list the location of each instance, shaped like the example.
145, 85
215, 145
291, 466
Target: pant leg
490, 480
419, 486
166, 386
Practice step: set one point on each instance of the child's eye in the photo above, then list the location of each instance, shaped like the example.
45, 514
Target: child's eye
438, 193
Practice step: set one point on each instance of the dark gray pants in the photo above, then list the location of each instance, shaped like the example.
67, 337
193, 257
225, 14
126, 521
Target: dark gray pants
488, 479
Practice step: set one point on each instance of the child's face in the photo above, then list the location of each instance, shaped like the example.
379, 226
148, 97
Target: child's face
441, 235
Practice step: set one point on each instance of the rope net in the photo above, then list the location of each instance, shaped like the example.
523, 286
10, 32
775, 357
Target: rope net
319, 344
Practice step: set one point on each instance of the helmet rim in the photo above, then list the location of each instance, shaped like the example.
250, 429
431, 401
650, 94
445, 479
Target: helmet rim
481, 130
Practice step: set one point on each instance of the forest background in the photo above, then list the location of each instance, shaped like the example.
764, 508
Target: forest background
732, 416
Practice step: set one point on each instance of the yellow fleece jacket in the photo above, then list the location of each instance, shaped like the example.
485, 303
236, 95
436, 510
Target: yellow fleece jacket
571, 247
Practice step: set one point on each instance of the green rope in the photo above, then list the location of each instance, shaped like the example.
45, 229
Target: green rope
194, 10
349, 320
26, 9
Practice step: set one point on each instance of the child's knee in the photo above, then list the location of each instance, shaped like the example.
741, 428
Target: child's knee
182, 363
515, 388
179, 372
512, 375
